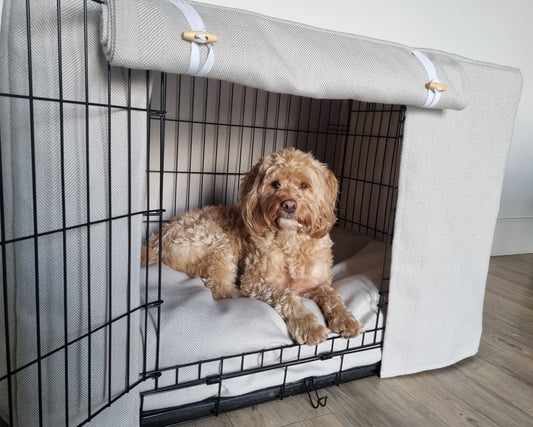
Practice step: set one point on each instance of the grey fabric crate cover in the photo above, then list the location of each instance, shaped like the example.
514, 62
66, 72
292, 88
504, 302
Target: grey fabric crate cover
452, 166
452, 162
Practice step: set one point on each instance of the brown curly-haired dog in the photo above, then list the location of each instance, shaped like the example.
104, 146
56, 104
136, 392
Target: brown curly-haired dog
273, 246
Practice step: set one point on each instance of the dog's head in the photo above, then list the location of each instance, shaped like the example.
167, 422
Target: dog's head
289, 190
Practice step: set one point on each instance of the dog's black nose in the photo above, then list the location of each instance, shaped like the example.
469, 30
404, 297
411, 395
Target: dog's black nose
289, 206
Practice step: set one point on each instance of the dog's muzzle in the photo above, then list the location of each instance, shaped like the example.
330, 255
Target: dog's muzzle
289, 207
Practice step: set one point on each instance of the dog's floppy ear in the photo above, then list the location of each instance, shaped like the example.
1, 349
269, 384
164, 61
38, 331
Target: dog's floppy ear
326, 209
248, 201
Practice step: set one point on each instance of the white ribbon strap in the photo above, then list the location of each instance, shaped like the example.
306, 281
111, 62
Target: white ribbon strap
196, 23
437, 87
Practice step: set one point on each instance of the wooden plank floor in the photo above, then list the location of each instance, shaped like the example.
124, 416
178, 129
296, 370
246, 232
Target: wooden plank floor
493, 388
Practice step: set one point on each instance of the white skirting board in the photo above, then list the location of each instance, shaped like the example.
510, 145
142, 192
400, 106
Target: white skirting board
513, 236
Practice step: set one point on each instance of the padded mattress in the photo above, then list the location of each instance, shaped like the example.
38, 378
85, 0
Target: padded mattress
238, 334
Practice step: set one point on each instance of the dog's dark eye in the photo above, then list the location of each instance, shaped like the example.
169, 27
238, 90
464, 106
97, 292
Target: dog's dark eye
276, 184
304, 186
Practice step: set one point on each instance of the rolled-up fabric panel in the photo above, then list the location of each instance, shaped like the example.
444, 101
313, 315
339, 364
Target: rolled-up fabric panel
273, 54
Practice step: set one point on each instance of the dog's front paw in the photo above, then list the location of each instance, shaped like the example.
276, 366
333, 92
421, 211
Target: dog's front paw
346, 325
307, 330
221, 291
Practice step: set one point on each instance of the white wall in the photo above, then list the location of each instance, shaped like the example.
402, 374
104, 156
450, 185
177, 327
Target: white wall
486, 30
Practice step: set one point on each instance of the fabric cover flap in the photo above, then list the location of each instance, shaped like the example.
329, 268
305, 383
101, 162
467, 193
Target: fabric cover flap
276, 55
451, 174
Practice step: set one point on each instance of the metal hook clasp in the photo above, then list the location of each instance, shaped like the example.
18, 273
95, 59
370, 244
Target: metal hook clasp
310, 386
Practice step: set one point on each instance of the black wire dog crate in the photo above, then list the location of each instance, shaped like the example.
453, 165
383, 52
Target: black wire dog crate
96, 152
203, 136
81, 186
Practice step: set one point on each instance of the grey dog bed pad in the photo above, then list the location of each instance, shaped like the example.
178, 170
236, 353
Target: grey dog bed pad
195, 327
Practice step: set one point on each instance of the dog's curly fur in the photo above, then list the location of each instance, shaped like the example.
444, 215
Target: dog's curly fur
273, 246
